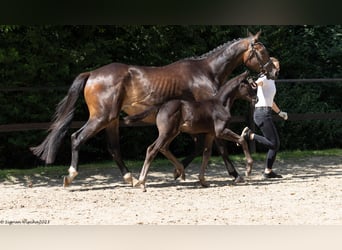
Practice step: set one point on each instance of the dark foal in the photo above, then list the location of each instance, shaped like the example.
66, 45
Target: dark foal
209, 117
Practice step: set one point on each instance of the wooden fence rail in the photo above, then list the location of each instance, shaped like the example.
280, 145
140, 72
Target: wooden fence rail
77, 124
236, 119
64, 88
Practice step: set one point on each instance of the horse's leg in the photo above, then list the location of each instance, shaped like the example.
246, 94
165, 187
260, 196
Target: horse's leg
114, 149
229, 135
208, 143
78, 138
228, 163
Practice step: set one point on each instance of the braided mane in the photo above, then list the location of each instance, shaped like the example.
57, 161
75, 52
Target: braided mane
213, 51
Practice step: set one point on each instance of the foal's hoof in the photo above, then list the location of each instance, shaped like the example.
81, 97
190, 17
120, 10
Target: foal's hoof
182, 174
203, 183
176, 174
248, 171
66, 181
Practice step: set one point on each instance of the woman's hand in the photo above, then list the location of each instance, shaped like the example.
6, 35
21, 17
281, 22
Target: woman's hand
283, 115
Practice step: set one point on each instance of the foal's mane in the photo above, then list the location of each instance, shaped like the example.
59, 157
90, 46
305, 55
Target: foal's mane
229, 86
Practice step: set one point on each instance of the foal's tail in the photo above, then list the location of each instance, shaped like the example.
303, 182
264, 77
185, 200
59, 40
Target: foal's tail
47, 150
137, 117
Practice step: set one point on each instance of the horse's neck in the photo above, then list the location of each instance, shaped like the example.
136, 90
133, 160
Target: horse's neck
224, 61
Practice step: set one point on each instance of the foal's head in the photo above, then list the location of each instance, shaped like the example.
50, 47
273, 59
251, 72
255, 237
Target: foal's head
239, 87
247, 90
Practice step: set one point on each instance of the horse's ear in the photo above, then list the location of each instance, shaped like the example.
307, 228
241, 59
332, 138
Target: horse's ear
256, 36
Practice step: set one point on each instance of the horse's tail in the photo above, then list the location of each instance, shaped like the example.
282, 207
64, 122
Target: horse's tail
137, 117
47, 150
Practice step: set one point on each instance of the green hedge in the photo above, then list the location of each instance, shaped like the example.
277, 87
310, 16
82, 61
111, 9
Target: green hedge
51, 56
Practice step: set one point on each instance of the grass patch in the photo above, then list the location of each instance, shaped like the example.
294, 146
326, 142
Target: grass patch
161, 163
309, 153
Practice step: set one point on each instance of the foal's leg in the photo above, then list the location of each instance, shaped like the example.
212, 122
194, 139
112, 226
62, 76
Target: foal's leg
179, 168
228, 163
229, 135
208, 143
78, 138
114, 149
151, 153
160, 145
249, 159
199, 147
199, 142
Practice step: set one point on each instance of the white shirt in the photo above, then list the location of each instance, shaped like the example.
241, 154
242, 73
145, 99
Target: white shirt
266, 92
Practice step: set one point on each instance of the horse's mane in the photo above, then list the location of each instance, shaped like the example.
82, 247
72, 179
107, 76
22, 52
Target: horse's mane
213, 51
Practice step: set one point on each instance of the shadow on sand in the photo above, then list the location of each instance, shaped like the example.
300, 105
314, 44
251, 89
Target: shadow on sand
296, 170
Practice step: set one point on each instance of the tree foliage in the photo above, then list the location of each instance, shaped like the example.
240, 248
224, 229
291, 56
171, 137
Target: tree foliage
51, 56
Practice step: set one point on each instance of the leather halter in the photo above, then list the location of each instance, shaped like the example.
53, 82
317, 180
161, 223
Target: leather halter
255, 53
252, 91
251, 82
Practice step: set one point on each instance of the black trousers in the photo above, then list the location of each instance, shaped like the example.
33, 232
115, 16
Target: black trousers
270, 139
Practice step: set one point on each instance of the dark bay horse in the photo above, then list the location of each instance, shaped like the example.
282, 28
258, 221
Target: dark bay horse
210, 117
118, 87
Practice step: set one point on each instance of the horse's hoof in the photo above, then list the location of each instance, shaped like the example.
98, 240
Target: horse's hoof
135, 183
139, 184
134, 180
239, 179
128, 178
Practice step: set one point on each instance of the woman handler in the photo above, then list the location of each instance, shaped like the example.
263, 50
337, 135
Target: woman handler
263, 119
